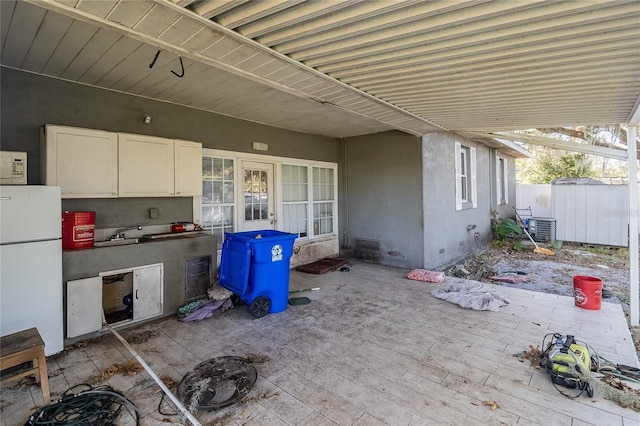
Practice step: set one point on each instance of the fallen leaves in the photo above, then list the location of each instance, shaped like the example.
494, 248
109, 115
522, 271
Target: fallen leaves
532, 355
130, 369
494, 405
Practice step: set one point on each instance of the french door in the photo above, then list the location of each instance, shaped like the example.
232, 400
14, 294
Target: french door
258, 210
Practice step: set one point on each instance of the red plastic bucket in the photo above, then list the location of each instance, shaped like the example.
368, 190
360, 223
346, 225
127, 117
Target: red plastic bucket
587, 292
78, 229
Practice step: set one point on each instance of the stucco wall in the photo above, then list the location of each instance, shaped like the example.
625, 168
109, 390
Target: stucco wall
447, 238
383, 186
30, 101
506, 210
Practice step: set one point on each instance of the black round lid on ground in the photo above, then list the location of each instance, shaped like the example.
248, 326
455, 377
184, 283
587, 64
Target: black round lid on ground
217, 383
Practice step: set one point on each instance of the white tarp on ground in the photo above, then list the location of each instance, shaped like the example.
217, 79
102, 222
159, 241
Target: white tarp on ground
471, 294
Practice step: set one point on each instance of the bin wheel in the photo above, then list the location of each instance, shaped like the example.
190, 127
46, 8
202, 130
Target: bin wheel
260, 306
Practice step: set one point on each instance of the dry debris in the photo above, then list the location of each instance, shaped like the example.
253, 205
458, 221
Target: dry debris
168, 382
257, 359
494, 405
141, 336
533, 355
130, 369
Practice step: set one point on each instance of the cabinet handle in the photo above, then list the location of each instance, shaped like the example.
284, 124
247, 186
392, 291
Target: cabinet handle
137, 293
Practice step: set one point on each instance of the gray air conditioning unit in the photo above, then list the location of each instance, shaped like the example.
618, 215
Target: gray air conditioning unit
542, 229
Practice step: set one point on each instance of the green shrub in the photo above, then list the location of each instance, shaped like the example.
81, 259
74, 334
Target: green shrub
506, 228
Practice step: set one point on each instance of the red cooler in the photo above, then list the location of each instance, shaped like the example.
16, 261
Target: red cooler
78, 230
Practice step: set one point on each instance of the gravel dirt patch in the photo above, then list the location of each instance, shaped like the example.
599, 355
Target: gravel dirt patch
554, 274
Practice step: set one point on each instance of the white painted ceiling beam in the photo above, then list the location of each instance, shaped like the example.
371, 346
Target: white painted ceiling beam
306, 11
488, 52
622, 72
527, 95
349, 16
392, 26
214, 7
446, 36
619, 52
254, 11
602, 151
559, 67
441, 29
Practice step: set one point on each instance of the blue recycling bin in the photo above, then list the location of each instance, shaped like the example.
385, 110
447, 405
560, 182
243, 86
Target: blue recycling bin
255, 266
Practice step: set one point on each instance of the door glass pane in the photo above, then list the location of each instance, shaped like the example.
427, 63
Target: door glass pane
256, 195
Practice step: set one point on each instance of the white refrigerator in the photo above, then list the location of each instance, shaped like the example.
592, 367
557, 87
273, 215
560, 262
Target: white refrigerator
31, 262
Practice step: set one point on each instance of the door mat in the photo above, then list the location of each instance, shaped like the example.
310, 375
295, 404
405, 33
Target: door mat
295, 301
323, 265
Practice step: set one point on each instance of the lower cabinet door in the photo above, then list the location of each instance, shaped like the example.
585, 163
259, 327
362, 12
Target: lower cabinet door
84, 306
147, 291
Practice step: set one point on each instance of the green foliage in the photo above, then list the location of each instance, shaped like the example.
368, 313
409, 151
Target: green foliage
549, 165
517, 245
505, 228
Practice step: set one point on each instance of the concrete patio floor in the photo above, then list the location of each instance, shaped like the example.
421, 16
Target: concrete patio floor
372, 348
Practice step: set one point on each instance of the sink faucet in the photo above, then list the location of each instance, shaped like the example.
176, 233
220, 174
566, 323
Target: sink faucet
119, 234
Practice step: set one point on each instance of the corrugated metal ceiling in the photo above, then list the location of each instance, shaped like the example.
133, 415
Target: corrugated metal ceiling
417, 66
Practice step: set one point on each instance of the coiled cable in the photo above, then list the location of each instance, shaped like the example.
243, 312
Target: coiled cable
93, 406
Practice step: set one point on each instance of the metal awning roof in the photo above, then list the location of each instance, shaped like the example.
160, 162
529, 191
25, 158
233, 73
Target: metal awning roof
347, 67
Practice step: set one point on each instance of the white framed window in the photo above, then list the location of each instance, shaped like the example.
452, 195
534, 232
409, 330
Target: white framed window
465, 173
295, 199
323, 200
218, 196
502, 180
305, 194
308, 192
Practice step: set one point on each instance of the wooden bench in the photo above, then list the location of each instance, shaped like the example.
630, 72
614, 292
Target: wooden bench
20, 348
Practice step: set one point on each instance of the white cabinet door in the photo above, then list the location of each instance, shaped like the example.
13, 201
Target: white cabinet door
147, 291
82, 162
188, 168
146, 166
84, 306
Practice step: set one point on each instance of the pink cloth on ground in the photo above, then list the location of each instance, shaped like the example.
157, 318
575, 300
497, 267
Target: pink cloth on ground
427, 276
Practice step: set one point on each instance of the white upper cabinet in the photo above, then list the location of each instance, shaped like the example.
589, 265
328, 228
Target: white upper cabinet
82, 162
188, 168
88, 163
146, 166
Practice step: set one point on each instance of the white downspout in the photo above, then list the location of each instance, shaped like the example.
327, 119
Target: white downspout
634, 291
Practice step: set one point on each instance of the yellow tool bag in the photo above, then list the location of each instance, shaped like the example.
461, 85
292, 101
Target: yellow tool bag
567, 361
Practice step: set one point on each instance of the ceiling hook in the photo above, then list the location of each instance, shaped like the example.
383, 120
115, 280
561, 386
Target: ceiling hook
154, 59
182, 66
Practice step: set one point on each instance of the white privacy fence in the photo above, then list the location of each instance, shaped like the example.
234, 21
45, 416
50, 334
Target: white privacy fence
586, 210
